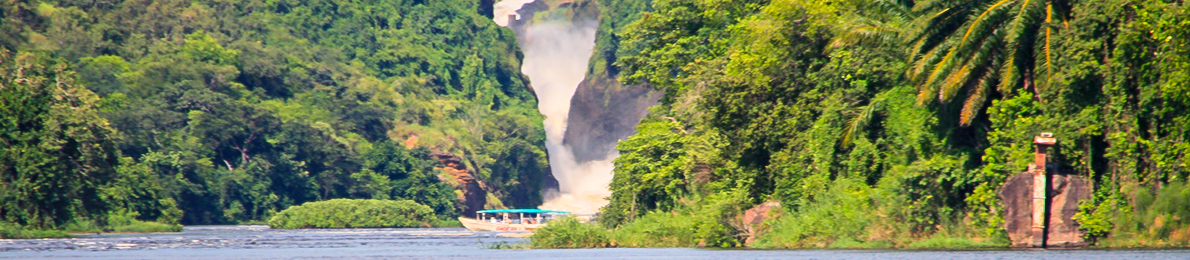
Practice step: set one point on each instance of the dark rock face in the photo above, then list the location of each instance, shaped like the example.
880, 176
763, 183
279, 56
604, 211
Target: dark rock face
1018, 208
1062, 200
1066, 192
602, 112
527, 12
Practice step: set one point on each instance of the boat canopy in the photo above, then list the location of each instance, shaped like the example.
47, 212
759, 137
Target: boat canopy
520, 211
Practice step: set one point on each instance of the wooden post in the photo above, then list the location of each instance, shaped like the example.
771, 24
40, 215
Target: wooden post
1040, 187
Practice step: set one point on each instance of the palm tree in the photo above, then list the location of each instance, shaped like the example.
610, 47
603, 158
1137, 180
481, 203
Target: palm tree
975, 46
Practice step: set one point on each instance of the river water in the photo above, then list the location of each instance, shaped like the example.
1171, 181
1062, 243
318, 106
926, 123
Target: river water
260, 242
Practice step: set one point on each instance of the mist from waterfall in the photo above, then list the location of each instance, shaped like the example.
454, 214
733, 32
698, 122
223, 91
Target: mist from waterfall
502, 9
556, 55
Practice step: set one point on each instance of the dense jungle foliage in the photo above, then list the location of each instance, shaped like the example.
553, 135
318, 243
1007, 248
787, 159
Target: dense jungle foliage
213, 112
358, 213
893, 123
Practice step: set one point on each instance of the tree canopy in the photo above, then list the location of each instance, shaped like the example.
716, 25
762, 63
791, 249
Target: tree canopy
829, 108
211, 112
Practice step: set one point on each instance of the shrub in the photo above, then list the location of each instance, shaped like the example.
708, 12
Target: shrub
570, 233
839, 218
1140, 217
702, 223
357, 213
14, 231
137, 226
126, 222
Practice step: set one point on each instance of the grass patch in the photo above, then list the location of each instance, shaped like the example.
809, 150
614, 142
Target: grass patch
126, 222
447, 223
82, 226
117, 223
146, 227
849, 243
253, 222
570, 233
503, 245
358, 213
945, 242
14, 231
658, 229
703, 224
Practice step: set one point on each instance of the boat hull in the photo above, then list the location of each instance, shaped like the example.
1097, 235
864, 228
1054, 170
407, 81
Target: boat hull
476, 225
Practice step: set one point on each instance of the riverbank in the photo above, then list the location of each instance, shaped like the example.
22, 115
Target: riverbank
677, 229
572, 234
14, 231
658, 232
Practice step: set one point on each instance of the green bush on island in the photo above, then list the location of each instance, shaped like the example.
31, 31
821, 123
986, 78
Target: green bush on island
358, 213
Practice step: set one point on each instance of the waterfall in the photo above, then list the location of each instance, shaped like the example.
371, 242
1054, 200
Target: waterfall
556, 56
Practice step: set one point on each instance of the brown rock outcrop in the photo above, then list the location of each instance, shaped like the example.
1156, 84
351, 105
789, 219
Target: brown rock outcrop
754, 218
473, 195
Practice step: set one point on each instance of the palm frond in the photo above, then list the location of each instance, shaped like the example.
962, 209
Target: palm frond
873, 32
898, 9
1009, 75
980, 46
1049, 68
977, 43
927, 62
985, 19
859, 122
924, 66
931, 29
992, 51
977, 97
930, 5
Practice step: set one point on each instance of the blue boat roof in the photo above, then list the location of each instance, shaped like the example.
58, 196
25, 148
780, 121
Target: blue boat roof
520, 211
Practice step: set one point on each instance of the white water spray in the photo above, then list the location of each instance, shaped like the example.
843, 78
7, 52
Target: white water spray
556, 55
502, 9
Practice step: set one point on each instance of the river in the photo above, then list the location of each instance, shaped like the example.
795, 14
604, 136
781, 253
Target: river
260, 242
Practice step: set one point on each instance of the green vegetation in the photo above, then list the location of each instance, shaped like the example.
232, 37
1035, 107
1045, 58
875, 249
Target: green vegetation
128, 223
1151, 220
570, 233
503, 245
697, 225
120, 113
358, 213
13, 231
868, 144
